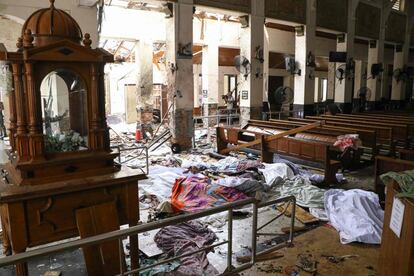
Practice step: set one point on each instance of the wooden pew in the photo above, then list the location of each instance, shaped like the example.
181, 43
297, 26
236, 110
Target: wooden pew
385, 116
312, 151
387, 164
405, 154
399, 131
350, 158
408, 122
368, 137
389, 115
384, 134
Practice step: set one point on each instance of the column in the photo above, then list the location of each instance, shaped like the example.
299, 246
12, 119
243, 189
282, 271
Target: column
400, 62
305, 82
251, 47
144, 84
180, 83
358, 79
210, 72
331, 82
343, 89
266, 66
318, 91
376, 56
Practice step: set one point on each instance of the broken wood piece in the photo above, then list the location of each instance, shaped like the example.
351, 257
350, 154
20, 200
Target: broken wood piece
52, 273
100, 259
300, 214
260, 257
286, 230
273, 137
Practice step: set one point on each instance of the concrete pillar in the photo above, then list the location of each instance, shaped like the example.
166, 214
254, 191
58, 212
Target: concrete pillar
144, 85
305, 82
400, 62
331, 82
344, 88
266, 66
251, 46
359, 79
376, 55
180, 72
317, 90
210, 71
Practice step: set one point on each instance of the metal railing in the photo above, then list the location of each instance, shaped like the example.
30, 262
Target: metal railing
206, 125
140, 229
278, 114
143, 149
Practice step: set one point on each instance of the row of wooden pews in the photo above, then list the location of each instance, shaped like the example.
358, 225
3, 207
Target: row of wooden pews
402, 128
394, 131
383, 137
315, 147
318, 154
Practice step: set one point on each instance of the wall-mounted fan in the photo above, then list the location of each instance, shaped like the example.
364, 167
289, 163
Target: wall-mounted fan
376, 69
291, 66
243, 65
279, 97
364, 95
400, 75
340, 73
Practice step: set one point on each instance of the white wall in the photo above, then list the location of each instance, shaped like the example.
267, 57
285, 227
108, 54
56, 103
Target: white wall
119, 76
280, 41
228, 32
133, 24
361, 52
324, 45
85, 16
226, 70
10, 30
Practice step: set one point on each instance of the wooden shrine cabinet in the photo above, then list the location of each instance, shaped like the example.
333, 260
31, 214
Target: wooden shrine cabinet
60, 158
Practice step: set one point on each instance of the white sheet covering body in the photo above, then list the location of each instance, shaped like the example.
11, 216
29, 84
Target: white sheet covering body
355, 214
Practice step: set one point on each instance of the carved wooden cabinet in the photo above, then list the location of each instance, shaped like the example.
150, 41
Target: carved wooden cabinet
60, 157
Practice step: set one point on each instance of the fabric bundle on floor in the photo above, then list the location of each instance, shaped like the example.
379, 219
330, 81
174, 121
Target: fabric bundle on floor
355, 214
183, 238
306, 194
276, 172
404, 179
195, 193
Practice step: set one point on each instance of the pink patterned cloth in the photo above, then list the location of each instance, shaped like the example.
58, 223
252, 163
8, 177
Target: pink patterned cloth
193, 193
345, 141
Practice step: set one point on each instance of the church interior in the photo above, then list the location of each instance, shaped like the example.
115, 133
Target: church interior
206, 137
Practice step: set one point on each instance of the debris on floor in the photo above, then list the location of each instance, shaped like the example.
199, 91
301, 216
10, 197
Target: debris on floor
183, 238
270, 268
338, 259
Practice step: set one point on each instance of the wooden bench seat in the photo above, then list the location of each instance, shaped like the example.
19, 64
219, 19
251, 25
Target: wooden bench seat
312, 151
368, 137
399, 131
409, 123
388, 115
383, 134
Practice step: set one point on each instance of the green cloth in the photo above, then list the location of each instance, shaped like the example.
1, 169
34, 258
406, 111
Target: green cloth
404, 179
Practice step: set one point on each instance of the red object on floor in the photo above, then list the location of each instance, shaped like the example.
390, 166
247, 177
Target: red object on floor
138, 135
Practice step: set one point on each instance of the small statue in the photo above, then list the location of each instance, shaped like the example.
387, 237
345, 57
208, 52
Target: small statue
48, 119
3, 132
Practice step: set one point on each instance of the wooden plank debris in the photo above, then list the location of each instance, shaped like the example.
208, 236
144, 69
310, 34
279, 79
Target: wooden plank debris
273, 137
300, 214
